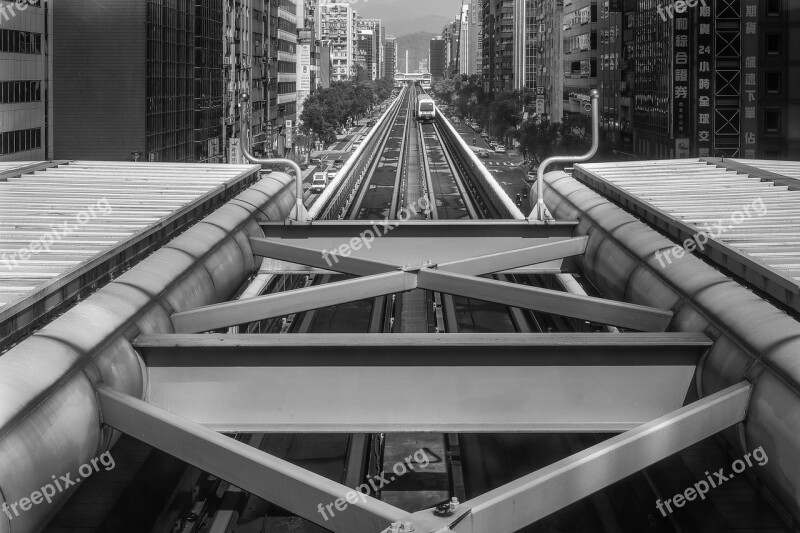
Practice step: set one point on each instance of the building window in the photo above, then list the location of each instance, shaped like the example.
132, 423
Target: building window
774, 44
772, 120
774, 8
772, 82
20, 141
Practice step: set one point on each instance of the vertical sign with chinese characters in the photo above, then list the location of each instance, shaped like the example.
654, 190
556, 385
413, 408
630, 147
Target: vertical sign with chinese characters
304, 74
680, 76
705, 60
750, 76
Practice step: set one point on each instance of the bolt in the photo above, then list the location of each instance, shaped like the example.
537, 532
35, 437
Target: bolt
454, 503
407, 527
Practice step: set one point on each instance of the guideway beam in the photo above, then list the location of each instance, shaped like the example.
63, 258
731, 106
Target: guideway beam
249, 382
275, 480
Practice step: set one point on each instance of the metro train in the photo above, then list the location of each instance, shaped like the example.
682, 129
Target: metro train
426, 109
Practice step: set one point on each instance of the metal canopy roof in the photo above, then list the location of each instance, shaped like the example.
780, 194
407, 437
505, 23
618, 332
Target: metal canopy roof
58, 222
752, 223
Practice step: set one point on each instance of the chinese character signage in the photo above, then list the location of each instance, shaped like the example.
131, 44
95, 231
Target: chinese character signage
750, 78
705, 60
680, 76
304, 75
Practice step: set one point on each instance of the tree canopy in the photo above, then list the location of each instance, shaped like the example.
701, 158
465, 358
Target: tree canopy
328, 110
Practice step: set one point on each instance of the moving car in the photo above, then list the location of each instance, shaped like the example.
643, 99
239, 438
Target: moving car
500, 149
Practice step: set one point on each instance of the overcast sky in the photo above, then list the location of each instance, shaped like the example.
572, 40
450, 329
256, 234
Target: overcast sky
395, 12
389, 8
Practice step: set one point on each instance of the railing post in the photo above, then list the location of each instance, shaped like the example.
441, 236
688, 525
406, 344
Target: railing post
299, 213
540, 212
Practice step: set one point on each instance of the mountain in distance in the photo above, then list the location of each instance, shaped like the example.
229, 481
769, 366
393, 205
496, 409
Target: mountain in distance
418, 46
410, 16
432, 23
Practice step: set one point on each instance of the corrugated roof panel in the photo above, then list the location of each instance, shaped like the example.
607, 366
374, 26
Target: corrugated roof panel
54, 221
752, 218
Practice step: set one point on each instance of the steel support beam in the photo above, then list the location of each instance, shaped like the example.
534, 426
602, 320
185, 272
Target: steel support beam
264, 475
498, 262
537, 495
421, 382
281, 250
228, 314
637, 317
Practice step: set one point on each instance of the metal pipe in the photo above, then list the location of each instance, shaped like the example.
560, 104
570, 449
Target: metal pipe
540, 211
299, 213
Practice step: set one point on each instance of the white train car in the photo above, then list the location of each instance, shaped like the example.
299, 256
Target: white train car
426, 109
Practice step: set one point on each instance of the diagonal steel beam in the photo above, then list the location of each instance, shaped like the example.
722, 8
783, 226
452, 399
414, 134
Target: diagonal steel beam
273, 479
637, 317
488, 264
278, 249
541, 493
528, 499
227, 314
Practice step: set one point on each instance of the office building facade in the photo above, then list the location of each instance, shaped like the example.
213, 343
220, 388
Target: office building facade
438, 58
390, 56
25, 107
337, 26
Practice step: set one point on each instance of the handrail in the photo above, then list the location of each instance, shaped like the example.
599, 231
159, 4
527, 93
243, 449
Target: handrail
540, 212
299, 213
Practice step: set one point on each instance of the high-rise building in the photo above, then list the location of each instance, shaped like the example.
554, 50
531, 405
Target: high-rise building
723, 89
548, 59
25, 106
365, 52
337, 25
469, 36
498, 45
580, 55
615, 107
390, 56
308, 52
150, 58
438, 58
208, 83
376, 57
450, 38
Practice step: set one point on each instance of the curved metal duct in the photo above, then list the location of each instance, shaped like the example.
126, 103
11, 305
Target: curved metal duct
50, 421
753, 339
